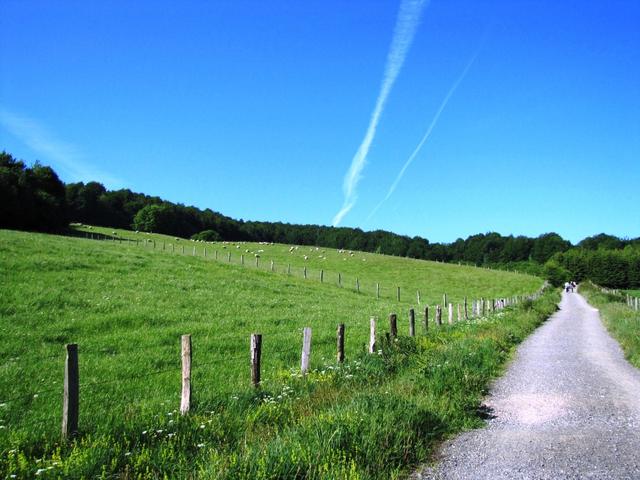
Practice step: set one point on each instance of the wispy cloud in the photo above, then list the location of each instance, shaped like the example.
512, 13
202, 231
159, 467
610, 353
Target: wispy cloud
62, 155
436, 117
404, 31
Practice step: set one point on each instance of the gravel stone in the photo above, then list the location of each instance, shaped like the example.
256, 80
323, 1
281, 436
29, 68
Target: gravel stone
568, 407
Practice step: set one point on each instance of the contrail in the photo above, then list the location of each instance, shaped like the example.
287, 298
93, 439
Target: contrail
404, 31
426, 135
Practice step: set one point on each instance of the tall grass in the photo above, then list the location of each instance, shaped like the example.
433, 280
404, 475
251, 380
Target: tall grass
623, 322
126, 306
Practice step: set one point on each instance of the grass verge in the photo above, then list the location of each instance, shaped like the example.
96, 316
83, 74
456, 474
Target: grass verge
621, 321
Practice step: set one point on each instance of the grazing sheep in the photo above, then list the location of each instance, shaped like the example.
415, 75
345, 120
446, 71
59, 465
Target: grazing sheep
257, 256
306, 258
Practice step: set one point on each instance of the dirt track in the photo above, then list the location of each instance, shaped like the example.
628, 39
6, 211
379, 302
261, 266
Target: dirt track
567, 408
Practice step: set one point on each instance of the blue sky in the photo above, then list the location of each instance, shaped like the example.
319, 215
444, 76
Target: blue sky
257, 109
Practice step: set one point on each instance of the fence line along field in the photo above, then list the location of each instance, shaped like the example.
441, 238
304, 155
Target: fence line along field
127, 307
417, 279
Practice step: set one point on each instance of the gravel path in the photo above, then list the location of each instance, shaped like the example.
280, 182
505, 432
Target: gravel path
568, 407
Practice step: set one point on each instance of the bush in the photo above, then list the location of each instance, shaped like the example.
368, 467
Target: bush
207, 236
556, 274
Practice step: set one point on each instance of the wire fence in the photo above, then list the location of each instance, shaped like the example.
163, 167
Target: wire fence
275, 352
235, 253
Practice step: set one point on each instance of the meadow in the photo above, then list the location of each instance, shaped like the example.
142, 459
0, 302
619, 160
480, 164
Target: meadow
345, 267
127, 304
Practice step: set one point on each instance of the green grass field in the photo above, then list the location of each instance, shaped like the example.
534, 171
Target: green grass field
431, 279
127, 305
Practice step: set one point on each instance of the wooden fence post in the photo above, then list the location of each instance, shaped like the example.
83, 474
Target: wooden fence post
444, 300
256, 351
205, 252
377, 290
229, 257
241, 259
466, 309
340, 338
450, 313
393, 325
306, 350
163, 246
183, 251
398, 293
412, 323
288, 269
185, 402
154, 244
418, 296
459, 312
426, 318
71, 396
304, 272
339, 279
372, 335
357, 285
272, 265
257, 261
173, 248
194, 250
438, 315
321, 276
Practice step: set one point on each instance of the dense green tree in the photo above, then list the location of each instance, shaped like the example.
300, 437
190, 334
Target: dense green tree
555, 273
30, 198
608, 242
548, 244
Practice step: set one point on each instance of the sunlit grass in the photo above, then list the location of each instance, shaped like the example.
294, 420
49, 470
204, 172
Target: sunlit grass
431, 279
127, 305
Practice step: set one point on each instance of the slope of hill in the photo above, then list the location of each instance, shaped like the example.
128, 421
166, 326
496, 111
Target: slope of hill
345, 268
127, 304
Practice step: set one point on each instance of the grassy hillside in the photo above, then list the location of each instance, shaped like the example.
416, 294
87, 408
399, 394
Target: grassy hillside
431, 279
126, 305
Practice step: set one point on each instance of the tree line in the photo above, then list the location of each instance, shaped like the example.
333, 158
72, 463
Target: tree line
34, 198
